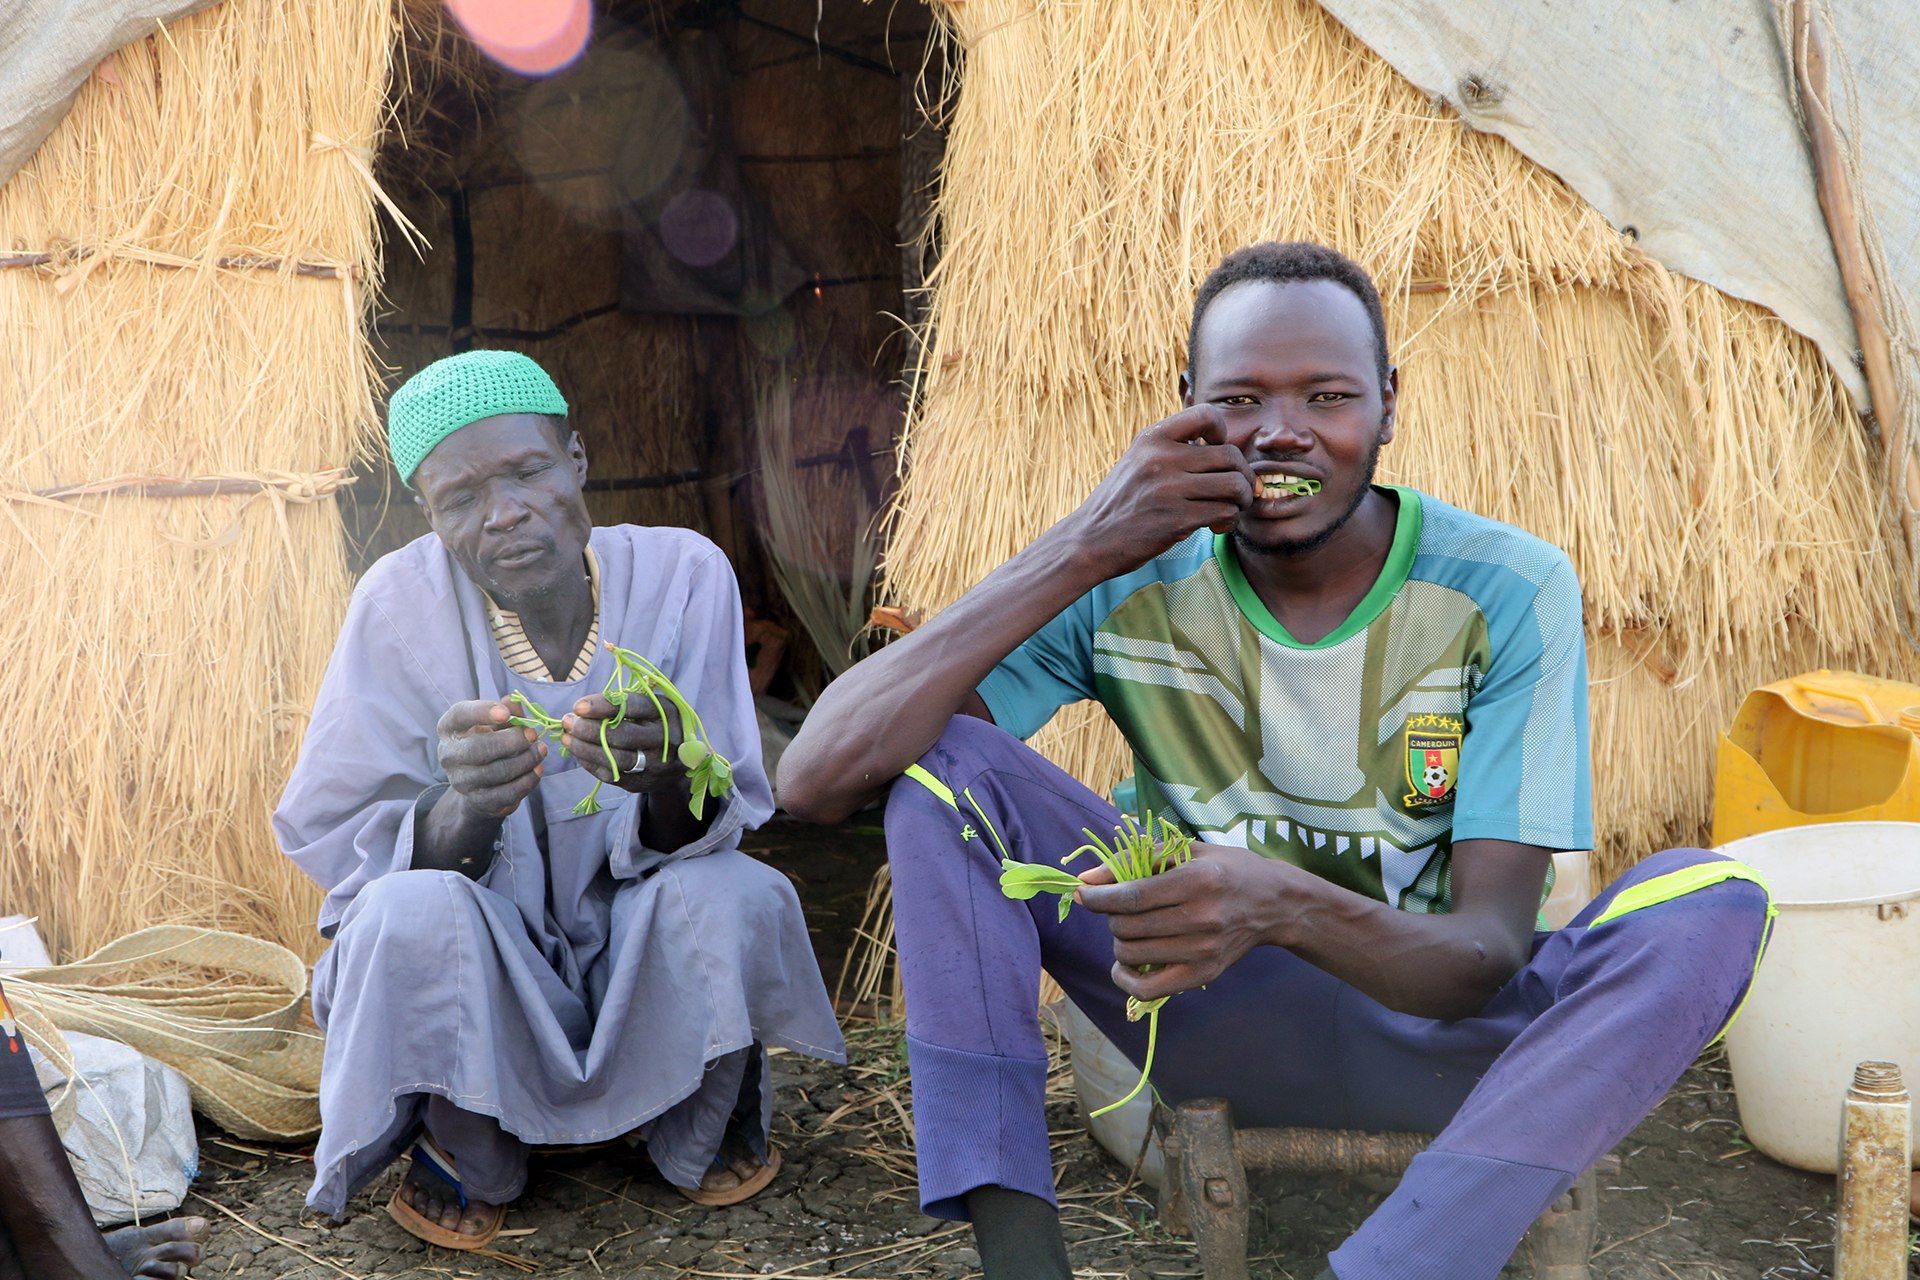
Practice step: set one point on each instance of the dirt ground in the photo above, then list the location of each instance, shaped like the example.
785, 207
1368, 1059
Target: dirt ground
1692, 1200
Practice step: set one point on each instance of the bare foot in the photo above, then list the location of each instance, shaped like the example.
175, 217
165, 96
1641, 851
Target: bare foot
1913, 1194
160, 1250
732, 1174
438, 1203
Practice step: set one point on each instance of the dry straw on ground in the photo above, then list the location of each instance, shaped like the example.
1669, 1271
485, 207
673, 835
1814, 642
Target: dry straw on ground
161, 652
1692, 454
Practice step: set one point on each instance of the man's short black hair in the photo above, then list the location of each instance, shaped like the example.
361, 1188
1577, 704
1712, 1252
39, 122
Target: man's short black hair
1284, 263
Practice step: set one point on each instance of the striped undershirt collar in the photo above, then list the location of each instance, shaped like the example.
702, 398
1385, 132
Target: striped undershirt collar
518, 652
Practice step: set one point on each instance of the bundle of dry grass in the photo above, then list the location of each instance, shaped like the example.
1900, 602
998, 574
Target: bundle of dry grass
1692, 454
202, 243
817, 522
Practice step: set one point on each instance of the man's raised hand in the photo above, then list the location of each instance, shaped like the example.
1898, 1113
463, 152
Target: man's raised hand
490, 763
1178, 475
640, 744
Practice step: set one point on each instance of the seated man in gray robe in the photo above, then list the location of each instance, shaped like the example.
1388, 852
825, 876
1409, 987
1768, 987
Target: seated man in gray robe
509, 970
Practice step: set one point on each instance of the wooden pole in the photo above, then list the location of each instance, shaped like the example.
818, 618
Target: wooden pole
1810, 69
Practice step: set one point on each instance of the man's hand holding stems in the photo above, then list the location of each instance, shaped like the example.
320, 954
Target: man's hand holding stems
493, 764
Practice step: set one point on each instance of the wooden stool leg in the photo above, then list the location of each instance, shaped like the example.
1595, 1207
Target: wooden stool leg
1215, 1188
1173, 1200
1561, 1241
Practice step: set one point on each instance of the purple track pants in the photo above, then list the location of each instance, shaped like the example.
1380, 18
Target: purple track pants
1565, 1061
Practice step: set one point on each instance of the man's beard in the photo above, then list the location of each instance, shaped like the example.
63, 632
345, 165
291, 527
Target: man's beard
527, 594
1314, 542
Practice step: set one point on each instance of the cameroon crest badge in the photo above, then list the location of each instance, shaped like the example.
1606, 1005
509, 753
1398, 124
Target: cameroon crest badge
1433, 758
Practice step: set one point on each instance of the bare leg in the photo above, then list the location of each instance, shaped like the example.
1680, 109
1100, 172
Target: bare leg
42, 1212
158, 1251
46, 1230
10, 1268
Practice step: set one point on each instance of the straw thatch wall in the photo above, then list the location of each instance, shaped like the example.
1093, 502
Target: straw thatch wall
1693, 456
160, 652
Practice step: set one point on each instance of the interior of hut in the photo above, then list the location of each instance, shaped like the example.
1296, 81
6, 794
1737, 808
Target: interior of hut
696, 227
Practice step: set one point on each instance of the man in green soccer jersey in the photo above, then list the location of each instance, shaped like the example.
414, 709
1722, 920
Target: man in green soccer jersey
1369, 709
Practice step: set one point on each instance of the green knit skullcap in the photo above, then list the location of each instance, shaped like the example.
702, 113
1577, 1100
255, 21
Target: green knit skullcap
448, 394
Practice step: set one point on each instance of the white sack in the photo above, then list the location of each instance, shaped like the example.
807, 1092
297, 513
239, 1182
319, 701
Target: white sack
1572, 888
20, 945
135, 1119
1101, 1076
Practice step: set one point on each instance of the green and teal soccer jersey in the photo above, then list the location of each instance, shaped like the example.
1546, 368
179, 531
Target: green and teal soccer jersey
1451, 705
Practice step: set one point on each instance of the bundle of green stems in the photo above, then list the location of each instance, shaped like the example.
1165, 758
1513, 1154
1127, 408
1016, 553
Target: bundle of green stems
708, 772
1136, 853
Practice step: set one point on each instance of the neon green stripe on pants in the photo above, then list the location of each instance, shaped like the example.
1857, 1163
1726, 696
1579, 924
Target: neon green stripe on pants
1676, 884
931, 783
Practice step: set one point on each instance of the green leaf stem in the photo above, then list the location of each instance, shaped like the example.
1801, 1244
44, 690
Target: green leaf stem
1025, 880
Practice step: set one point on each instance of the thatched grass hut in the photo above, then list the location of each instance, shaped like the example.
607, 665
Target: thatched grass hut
203, 308
186, 269
200, 322
535, 195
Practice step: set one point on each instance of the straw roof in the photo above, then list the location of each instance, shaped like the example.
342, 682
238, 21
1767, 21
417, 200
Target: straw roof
1690, 452
187, 263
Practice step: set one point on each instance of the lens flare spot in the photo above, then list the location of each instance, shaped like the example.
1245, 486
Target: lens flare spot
699, 227
771, 333
533, 37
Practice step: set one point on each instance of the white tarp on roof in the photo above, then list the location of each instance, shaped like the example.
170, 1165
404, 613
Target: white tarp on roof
48, 48
1677, 119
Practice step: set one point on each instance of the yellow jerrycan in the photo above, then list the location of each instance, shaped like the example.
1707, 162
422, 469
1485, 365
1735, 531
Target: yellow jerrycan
1828, 746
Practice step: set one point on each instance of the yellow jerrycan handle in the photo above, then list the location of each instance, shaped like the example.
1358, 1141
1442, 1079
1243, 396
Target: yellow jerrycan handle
1813, 684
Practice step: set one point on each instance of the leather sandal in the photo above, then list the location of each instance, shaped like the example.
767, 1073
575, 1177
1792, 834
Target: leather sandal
428, 1155
746, 1190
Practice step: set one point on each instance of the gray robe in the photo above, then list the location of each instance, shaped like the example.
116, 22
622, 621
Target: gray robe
583, 987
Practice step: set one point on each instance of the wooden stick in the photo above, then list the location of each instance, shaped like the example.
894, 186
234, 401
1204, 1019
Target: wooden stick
322, 484
170, 489
315, 270
1327, 1150
1843, 225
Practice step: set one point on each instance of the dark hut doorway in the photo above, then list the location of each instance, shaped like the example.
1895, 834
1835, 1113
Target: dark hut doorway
697, 229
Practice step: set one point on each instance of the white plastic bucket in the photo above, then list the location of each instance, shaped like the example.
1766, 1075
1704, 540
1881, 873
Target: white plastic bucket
1840, 983
1572, 888
1102, 1075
